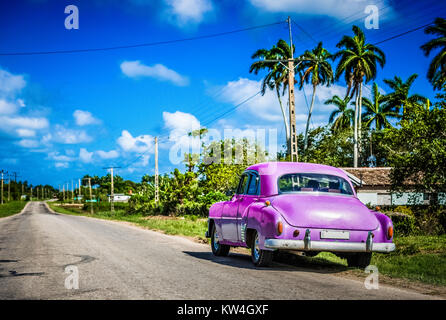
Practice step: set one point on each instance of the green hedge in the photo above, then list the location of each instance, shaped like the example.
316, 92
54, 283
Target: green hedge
417, 220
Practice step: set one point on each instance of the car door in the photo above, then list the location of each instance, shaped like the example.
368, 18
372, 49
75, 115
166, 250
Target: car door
229, 217
250, 195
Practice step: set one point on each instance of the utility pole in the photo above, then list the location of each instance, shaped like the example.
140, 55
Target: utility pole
91, 197
2, 172
72, 192
63, 192
80, 191
9, 187
31, 193
290, 66
157, 196
292, 107
112, 192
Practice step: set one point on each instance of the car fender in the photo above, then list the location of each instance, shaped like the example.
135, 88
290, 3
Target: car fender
263, 219
384, 223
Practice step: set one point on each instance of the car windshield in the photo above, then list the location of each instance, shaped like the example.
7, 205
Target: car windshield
313, 182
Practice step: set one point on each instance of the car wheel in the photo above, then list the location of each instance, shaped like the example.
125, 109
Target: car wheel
217, 248
359, 260
260, 258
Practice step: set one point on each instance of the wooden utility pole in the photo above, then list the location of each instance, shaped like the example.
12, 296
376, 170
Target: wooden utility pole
80, 191
63, 192
72, 192
91, 198
9, 187
31, 193
112, 192
157, 196
292, 108
2, 172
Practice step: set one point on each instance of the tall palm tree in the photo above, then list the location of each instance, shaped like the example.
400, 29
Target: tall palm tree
342, 117
277, 76
400, 95
316, 69
437, 68
358, 62
378, 110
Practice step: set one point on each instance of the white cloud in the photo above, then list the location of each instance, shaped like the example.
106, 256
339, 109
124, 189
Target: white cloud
180, 123
265, 110
7, 107
85, 156
56, 156
25, 133
28, 143
10, 84
265, 107
69, 136
107, 154
339, 9
135, 69
61, 165
184, 12
139, 144
24, 122
83, 118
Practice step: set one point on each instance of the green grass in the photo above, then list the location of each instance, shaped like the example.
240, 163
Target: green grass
419, 258
190, 226
10, 208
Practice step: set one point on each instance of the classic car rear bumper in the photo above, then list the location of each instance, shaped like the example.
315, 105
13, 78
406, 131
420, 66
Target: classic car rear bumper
334, 246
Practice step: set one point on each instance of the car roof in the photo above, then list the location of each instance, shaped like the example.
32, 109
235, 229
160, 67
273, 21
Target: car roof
271, 171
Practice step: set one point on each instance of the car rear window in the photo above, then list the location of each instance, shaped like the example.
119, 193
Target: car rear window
313, 182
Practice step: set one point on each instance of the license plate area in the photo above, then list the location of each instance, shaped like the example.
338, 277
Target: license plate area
335, 234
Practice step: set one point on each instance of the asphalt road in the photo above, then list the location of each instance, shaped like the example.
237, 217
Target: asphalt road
118, 261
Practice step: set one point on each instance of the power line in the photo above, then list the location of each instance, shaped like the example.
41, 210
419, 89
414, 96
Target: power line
403, 34
148, 44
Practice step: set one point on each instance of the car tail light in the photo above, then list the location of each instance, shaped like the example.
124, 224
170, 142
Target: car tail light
389, 233
279, 228
267, 202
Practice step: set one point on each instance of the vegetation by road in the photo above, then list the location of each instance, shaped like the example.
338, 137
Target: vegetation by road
10, 208
188, 225
419, 258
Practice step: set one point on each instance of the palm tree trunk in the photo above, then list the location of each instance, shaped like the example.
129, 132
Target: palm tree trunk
285, 120
309, 118
360, 119
355, 134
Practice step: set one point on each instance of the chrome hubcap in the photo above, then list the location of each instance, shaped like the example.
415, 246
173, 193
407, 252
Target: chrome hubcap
215, 243
256, 250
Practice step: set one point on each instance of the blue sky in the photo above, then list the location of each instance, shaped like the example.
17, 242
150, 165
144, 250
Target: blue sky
66, 115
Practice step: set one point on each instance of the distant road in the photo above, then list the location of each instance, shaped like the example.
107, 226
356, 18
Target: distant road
118, 261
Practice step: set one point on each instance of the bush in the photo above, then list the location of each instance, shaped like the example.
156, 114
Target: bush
404, 225
418, 219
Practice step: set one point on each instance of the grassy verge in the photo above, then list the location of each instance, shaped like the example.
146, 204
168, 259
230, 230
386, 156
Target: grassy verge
190, 226
10, 208
417, 258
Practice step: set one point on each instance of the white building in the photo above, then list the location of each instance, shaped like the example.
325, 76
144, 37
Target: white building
373, 187
119, 197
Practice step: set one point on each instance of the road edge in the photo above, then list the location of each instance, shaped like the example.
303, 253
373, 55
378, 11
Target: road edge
15, 214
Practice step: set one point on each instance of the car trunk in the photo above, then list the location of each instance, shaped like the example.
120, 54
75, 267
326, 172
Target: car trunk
325, 211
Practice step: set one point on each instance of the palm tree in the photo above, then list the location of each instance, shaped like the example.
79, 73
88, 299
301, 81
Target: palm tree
437, 68
276, 78
358, 62
316, 69
343, 116
378, 110
400, 95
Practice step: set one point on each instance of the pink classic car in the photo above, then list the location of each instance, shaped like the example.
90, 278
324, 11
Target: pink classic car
298, 206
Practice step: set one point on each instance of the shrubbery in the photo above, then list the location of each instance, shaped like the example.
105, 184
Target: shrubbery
418, 220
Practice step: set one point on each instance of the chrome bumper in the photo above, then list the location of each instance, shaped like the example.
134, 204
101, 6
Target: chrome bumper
329, 246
